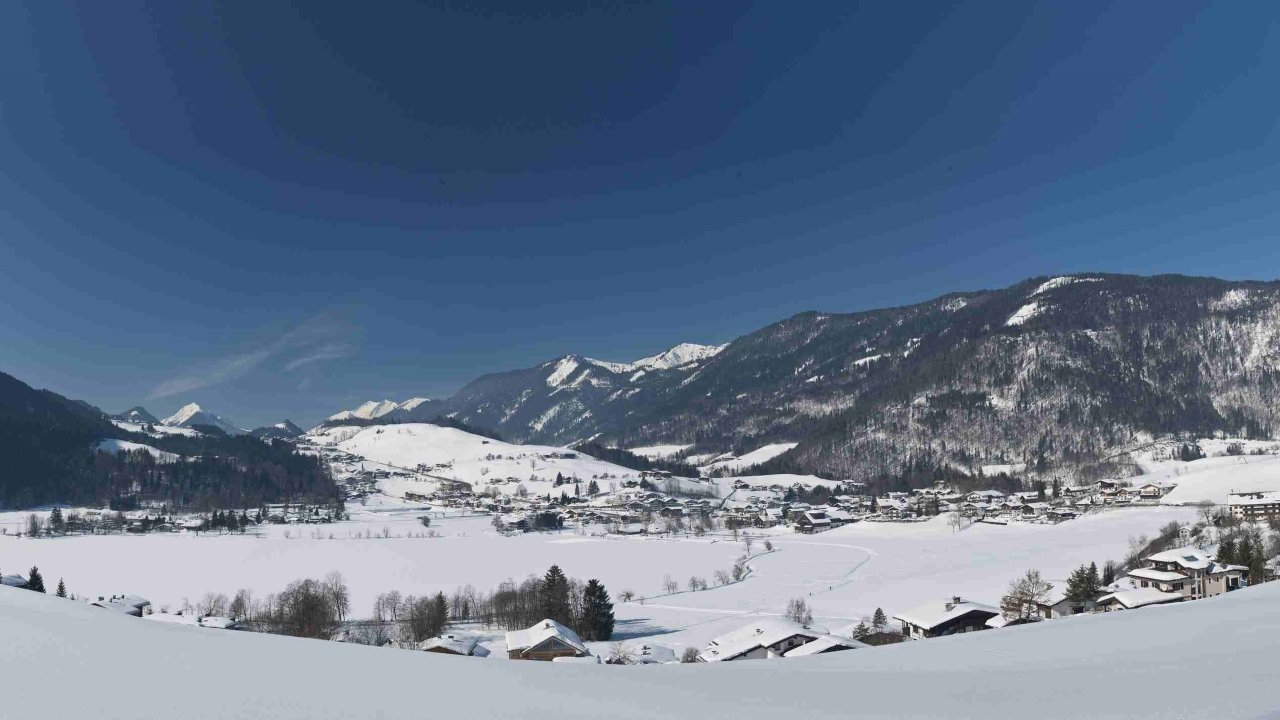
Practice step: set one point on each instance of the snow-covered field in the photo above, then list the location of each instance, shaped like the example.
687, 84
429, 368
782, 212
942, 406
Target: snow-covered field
119, 446
731, 463
1212, 658
1213, 478
844, 573
168, 568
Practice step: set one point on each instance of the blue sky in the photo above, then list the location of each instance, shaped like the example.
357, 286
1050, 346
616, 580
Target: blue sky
281, 211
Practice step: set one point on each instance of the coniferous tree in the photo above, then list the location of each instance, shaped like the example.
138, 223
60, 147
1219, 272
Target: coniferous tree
1095, 582
34, 580
1227, 550
554, 596
593, 488
1078, 585
62, 589
879, 620
597, 612
1108, 572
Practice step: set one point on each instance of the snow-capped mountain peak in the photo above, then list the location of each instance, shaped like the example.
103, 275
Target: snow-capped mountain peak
374, 409
678, 356
137, 415
185, 413
192, 414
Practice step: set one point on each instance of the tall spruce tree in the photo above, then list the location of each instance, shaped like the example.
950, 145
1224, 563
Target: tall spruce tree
554, 596
34, 580
62, 589
879, 621
597, 612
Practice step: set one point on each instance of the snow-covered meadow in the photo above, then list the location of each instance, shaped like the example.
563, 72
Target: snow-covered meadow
844, 574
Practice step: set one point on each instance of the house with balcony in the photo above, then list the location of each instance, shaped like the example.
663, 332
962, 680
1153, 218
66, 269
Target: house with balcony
1189, 572
1255, 506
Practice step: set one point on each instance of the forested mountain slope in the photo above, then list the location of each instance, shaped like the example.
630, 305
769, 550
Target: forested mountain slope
1052, 372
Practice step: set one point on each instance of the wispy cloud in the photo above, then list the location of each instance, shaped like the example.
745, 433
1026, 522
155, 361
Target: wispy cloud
317, 339
327, 352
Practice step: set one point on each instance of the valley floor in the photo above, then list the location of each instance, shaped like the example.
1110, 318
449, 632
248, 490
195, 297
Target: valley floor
844, 574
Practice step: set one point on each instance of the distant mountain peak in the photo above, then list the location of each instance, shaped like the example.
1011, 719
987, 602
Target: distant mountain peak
374, 409
285, 430
192, 414
138, 415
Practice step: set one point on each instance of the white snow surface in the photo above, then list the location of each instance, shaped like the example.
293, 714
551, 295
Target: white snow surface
72, 660
678, 356
755, 457
156, 430
1024, 313
458, 455
655, 452
1062, 282
119, 446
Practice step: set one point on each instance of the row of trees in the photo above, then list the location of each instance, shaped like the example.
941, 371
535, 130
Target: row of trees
318, 609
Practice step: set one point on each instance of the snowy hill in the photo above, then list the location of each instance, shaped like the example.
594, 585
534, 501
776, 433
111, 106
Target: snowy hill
137, 415
280, 431
191, 415
1222, 648
119, 446
457, 455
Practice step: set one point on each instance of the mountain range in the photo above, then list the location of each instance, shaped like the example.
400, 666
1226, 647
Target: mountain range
1051, 372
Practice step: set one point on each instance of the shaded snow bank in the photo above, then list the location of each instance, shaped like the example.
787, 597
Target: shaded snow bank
72, 660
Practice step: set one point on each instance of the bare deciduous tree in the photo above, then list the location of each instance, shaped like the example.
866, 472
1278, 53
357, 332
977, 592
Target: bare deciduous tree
1025, 595
798, 611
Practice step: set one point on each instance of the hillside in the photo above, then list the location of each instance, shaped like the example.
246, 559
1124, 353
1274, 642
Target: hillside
1043, 666
1054, 374
454, 454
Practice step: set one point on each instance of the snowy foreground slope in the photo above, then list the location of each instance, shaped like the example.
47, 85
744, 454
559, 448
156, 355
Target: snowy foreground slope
1212, 658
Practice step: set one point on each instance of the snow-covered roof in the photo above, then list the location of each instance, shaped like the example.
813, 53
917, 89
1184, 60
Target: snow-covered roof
520, 640
13, 581
1265, 497
761, 633
1141, 597
647, 653
1190, 557
826, 643
941, 611
1157, 575
459, 644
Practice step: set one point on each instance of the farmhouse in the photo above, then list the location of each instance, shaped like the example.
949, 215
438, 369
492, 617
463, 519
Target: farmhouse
823, 645
1137, 598
462, 645
949, 617
544, 641
811, 521
125, 604
762, 639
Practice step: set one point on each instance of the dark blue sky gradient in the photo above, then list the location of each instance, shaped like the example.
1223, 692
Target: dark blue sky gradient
281, 211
